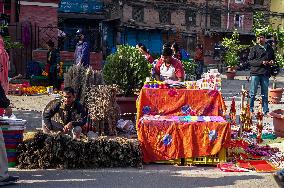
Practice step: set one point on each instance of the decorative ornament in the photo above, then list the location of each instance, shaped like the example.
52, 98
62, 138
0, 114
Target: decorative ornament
259, 126
232, 114
185, 109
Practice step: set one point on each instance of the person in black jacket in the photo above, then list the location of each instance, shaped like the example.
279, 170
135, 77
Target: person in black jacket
5, 179
53, 59
68, 114
261, 57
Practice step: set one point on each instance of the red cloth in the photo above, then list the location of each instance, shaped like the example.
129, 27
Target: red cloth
2, 111
179, 70
4, 67
198, 55
165, 140
171, 102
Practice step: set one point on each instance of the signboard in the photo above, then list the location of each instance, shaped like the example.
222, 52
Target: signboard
81, 6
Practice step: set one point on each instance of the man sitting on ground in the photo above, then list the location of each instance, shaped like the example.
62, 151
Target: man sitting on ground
65, 116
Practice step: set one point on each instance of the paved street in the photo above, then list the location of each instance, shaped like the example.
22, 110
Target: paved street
165, 176
152, 175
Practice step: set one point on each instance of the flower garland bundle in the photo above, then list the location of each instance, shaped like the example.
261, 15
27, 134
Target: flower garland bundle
34, 90
60, 69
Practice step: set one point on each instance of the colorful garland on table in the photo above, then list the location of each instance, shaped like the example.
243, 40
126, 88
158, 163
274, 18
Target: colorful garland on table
60, 69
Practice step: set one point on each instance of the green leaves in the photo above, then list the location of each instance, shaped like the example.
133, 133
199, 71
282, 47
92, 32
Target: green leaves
261, 26
8, 42
279, 60
233, 47
189, 67
127, 68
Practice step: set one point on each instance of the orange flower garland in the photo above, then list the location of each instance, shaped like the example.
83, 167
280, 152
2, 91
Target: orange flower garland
34, 90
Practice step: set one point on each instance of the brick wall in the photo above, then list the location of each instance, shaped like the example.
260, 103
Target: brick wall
39, 15
95, 58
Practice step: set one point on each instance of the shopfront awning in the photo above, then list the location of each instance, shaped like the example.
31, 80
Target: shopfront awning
82, 16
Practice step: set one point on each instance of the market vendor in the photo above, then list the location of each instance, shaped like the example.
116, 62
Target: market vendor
65, 116
169, 68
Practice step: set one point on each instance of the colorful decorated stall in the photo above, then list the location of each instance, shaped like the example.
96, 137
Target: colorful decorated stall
174, 122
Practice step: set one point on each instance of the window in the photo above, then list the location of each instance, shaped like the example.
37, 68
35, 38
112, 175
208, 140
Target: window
215, 18
258, 2
239, 21
239, 1
190, 18
138, 14
165, 16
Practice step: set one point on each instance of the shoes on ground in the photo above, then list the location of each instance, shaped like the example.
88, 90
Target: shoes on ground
9, 180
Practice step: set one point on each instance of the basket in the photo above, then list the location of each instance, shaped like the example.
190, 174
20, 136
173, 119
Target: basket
221, 156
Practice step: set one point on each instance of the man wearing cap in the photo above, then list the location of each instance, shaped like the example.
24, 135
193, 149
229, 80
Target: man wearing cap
82, 52
169, 68
261, 57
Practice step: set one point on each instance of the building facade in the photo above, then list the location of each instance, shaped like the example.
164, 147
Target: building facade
186, 22
277, 13
152, 22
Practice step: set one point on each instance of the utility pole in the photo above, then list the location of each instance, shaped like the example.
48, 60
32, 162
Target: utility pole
206, 13
13, 12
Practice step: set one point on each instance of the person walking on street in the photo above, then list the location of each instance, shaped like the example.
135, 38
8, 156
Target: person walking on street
199, 60
82, 52
260, 58
5, 179
53, 59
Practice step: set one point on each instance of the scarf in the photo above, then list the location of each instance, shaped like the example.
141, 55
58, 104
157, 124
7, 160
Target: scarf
4, 64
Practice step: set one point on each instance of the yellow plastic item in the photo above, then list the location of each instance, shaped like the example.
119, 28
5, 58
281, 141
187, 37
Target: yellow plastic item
174, 161
208, 160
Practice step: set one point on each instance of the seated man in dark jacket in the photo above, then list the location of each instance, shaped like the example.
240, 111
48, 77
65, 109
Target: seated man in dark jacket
65, 115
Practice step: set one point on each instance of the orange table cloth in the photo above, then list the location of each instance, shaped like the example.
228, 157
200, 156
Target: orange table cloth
178, 102
165, 140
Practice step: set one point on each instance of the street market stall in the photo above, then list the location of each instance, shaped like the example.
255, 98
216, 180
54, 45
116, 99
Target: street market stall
175, 122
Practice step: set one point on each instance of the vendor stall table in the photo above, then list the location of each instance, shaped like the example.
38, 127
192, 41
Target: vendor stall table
181, 123
165, 139
177, 102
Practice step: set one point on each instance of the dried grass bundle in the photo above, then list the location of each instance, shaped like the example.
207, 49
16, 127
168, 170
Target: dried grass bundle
61, 151
102, 106
81, 78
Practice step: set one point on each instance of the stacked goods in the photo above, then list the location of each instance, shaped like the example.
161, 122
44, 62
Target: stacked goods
61, 151
13, 136
102, 106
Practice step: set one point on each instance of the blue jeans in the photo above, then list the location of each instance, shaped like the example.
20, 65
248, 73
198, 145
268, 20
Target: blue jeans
264, 83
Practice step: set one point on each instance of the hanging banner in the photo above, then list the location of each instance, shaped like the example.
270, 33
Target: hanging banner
81, 6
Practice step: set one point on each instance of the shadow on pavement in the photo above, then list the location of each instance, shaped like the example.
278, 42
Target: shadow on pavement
157, 176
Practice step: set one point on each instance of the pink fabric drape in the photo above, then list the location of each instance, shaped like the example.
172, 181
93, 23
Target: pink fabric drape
4, 65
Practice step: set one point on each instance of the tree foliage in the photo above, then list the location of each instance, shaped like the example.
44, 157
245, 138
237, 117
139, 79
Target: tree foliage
9, 44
